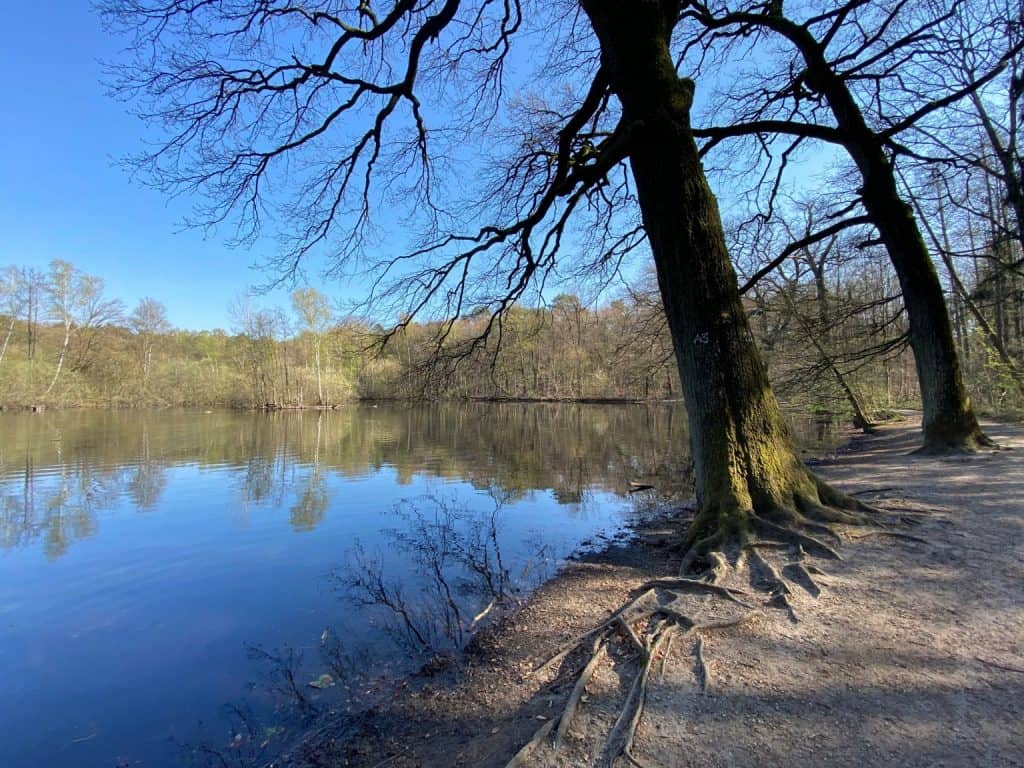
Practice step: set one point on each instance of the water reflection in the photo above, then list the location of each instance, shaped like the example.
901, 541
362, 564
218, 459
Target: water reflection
438, 570
59, 472
152, 564
453, 573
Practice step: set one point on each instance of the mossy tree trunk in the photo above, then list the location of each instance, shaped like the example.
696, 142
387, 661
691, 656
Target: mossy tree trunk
747, 468
949, 423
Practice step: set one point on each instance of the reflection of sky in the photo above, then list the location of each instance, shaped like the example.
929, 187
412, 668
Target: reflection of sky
136, 630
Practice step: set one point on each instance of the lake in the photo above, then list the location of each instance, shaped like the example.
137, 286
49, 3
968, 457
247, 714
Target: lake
178, 588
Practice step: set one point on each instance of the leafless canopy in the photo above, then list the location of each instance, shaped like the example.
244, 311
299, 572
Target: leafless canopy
895, 64
319, 122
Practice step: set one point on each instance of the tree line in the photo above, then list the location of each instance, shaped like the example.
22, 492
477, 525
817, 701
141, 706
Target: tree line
830, 321
65, 479
67, 343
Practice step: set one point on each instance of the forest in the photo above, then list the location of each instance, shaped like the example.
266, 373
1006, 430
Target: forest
754, 208
891, 246
829, 319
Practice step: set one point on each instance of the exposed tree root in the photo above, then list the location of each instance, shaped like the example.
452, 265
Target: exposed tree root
868, 491
801, 574
773, 550
625, 610
662, 624
703, 673
523, 755
718, 567
770, 580
793, 536
957, 444
997, 665
890, 534
596, 654
693, 585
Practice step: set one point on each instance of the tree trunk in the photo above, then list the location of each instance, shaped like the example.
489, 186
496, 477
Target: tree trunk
949, 422
746, 466
860, 417
60, 359
960, 291
7, 338
319, 380
30, 321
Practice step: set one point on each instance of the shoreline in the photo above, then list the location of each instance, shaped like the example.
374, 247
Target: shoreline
276, 407
485, 705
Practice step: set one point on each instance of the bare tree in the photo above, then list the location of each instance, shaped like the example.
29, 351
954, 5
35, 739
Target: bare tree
76, 302
33, 284
836, 87
13, 299
340, 106
975, 143
314, 312
148, 320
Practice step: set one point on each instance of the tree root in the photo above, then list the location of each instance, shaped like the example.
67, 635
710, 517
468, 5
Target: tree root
719, 567
801, 574
703, 673
613, 619
656, 643
793, 536
522, 756
620, 737
868, 491
891, 535
596, 654
771, 581
693, 585
656, 616
997, 665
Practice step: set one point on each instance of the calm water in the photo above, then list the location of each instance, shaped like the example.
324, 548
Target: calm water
165, 577
170, 582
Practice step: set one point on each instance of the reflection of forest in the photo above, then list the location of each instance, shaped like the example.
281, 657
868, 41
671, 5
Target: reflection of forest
57, 471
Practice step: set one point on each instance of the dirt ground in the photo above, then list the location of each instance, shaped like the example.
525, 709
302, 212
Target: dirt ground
912, 654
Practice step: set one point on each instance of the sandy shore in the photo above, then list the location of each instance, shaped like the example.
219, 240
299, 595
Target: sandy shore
911, 655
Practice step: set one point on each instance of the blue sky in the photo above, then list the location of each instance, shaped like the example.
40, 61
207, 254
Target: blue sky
62, 194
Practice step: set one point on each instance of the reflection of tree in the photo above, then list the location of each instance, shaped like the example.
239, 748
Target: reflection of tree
311, 507
55, 508
286, 459
56, 499
455, 573
146, 484
147, 476
69, 509
18, 526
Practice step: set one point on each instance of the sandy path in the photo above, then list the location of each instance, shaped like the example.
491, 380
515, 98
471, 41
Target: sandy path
913, 655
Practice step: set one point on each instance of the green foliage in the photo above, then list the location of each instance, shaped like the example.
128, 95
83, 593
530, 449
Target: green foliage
564, 351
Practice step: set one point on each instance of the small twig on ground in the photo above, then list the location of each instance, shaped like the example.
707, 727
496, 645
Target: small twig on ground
703, 673
997, 665
890, 534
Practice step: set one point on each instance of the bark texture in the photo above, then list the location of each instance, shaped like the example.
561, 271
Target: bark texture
949, 423
747, 469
